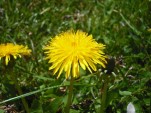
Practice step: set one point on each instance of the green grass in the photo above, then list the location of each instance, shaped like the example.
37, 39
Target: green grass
121, 25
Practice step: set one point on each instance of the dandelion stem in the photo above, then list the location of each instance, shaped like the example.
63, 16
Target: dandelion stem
13, 76
69, 101
22, 99
104, 94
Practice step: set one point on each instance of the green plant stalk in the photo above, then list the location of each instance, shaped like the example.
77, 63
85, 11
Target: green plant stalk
14, 79
20, 93
104, 94
70, 93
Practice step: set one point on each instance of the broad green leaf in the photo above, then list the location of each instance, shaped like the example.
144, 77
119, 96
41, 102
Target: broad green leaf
74, 111
2, 111
125, 93
36, 107
55, 104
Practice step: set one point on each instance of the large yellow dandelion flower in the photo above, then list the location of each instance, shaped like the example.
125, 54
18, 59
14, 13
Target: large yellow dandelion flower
69, 50
10, 49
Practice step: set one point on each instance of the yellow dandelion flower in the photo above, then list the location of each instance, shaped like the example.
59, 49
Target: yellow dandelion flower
69, 50
10, 49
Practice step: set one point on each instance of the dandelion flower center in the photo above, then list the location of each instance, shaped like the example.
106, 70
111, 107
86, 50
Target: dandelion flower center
73, 44
71, 50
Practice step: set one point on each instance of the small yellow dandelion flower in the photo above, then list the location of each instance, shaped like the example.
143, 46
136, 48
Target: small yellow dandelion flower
10, 49
69, 50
